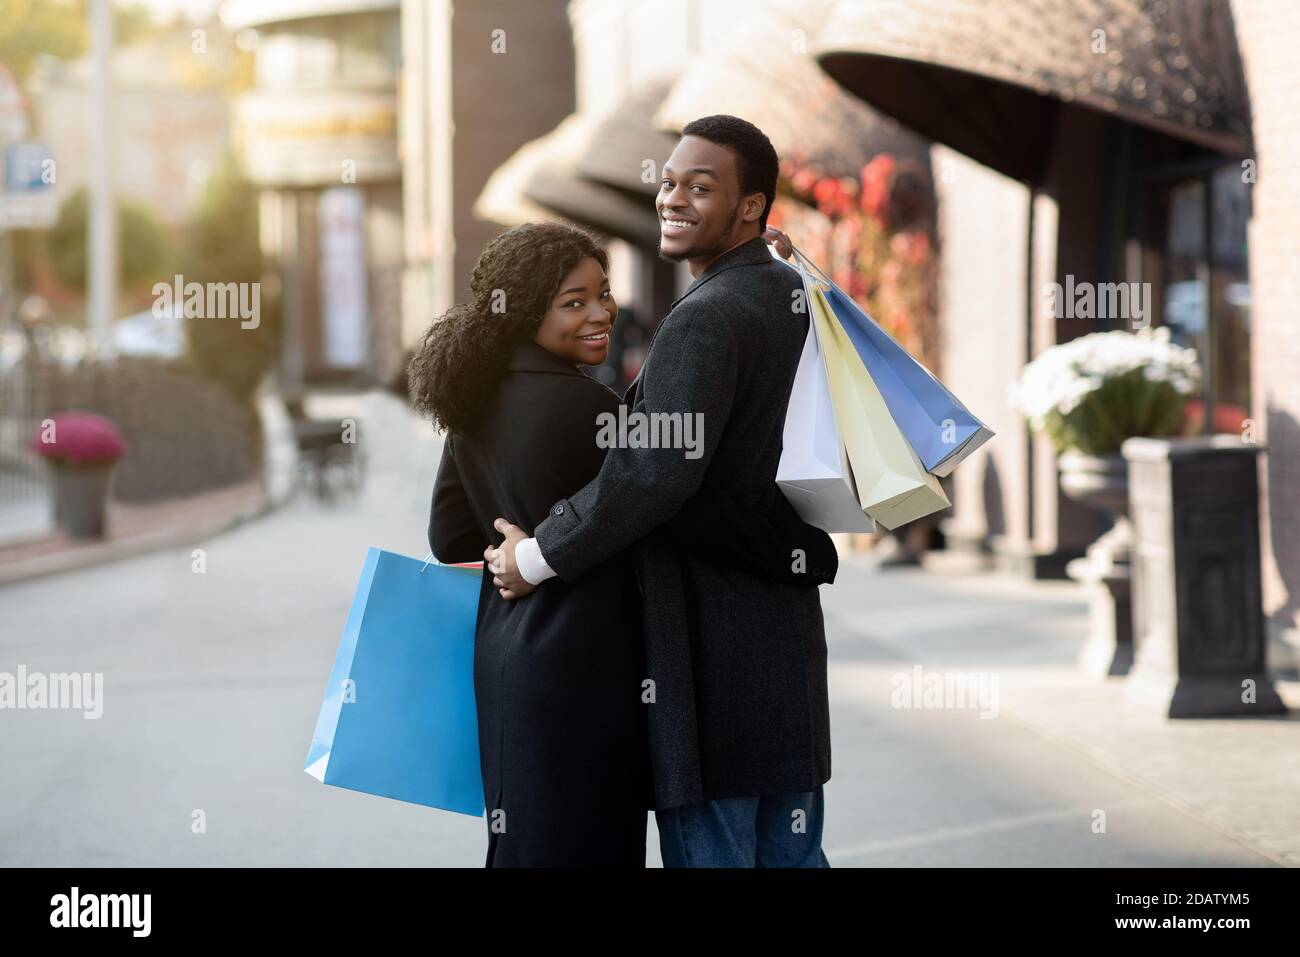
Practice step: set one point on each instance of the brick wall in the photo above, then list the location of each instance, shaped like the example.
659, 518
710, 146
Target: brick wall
982, 223
1268, 33
500, 101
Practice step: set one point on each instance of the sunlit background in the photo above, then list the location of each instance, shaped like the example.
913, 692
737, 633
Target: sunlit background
956, 166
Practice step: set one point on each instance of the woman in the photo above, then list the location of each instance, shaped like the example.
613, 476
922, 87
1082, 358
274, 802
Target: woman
558, 677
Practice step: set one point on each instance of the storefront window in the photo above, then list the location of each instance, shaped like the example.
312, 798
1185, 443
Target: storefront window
1203, 287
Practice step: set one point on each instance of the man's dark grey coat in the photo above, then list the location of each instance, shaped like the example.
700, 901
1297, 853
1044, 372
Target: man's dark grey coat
738, 662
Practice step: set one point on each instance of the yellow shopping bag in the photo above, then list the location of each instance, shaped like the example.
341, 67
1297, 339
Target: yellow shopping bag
893, 486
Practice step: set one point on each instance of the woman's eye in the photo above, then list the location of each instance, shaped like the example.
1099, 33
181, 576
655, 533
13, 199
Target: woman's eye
574, 304
605, 294
700, 188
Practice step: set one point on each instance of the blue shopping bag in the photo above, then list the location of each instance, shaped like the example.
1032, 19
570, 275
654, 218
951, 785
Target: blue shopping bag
398, 719
939, 428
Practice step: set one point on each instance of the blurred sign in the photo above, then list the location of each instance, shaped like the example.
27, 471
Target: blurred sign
27, 201
341, 215
28, 168
13, 108
319, 138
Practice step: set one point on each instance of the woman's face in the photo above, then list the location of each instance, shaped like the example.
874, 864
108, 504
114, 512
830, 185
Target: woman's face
576, 327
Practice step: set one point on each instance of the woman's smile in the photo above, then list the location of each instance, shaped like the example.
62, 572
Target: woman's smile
594, 346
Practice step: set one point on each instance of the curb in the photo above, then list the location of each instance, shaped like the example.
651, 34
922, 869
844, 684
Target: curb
161, 539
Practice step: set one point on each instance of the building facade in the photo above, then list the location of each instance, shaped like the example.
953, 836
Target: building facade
318, 134
1268, 32
478, 81
1125, 142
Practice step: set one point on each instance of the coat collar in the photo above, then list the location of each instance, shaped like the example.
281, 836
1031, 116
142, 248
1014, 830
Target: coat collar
528, 356
751, 253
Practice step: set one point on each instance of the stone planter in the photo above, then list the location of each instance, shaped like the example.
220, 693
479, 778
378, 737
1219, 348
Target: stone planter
1098, 481
1105, 571
1198, 626
81, 497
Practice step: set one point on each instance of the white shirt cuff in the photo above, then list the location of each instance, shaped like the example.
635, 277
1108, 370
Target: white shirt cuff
532, 566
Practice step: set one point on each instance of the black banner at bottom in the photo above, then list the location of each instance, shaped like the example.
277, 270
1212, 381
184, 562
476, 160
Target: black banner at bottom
238, 905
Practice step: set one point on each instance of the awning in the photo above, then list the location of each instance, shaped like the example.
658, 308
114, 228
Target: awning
540, 182
502, 199
623, 141
762, 73
986, 77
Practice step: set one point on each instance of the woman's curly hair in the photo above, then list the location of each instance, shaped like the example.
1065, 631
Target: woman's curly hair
463, 355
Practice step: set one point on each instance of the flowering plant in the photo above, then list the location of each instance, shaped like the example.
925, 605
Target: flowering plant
78, 438
1093, 392
873, 235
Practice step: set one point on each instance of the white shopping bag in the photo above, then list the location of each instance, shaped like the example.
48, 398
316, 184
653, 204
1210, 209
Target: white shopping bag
814, 473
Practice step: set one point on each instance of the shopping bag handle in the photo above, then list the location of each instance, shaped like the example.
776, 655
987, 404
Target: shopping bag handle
803, 258
802, 264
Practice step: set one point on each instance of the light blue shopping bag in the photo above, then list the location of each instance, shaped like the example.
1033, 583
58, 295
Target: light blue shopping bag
398, 719
939, 428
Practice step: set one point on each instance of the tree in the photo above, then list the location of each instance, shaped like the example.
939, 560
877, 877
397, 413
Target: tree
144, 253
222, 246
29, 28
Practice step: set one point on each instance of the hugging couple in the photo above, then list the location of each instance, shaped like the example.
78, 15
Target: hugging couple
649, 630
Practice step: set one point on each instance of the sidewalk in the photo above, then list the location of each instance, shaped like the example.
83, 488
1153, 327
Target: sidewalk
1240, 777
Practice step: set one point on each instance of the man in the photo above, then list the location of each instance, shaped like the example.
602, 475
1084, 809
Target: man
736, 662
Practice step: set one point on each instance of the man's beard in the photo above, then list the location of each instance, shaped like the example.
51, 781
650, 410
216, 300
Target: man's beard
701, 252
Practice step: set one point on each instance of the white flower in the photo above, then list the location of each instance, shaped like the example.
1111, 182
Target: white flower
1064, 375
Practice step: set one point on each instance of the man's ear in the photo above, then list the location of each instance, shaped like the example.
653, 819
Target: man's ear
753, 207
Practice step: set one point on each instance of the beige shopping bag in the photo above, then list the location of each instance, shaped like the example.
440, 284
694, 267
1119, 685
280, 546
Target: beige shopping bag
893, 486
814, 473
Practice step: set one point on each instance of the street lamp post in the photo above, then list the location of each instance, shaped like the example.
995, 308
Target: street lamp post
102, 239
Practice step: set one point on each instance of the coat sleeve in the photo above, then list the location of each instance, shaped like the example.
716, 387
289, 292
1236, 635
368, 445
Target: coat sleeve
454, 533
693, 371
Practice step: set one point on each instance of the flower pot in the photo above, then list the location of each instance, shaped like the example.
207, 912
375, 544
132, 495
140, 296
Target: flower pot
1098, 481
81, 497
1101, 482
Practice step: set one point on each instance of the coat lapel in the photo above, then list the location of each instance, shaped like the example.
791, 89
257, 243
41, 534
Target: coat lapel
751, 253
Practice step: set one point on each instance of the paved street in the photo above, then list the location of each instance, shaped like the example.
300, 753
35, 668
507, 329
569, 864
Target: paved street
213, 681
948, 787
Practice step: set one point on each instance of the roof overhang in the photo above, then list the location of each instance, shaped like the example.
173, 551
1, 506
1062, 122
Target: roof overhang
989, 78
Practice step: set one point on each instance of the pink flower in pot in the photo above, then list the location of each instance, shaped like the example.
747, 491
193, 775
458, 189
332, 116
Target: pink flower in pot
82, 448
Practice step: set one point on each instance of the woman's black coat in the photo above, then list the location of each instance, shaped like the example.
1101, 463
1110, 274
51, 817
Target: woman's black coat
558, 675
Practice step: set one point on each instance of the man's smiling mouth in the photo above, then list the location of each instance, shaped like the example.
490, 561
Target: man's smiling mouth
674, 222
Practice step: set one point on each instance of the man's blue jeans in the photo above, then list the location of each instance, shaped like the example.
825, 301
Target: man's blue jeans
780, 830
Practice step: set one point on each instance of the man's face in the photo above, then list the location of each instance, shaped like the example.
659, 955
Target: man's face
701, 211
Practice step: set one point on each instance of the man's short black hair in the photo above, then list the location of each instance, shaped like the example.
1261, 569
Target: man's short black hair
756, 161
